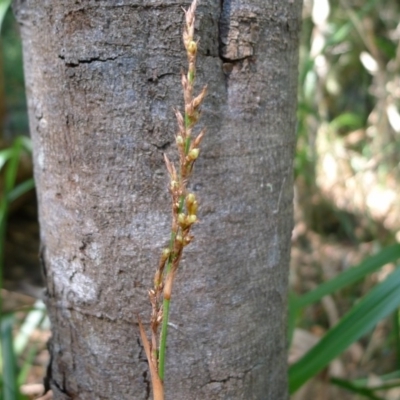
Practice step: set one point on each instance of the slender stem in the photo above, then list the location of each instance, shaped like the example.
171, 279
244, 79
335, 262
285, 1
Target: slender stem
191, 77
181, 201
164, 327
166, 303
163, 338
187, 141
187, 122
187, 145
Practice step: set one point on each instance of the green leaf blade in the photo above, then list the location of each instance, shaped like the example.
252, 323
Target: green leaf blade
352, 275
378, 304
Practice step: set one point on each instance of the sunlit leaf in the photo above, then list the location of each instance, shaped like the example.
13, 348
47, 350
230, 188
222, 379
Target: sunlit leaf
376, 305
350, 276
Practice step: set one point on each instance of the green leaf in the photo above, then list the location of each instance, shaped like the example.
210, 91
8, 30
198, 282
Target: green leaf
10, 391
4, 4
27, 365
347, 120
340, 34
376, 305
355, 385
387, 47
11, 156
25, 142
363, 391
5, 155
21, 189
12, 166
350, 276
32, 321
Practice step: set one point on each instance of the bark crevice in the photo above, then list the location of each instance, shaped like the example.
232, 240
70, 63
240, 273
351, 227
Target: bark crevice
89, 60
60, 388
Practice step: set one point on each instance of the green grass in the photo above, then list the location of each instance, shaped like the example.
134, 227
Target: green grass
10, 374
380, 302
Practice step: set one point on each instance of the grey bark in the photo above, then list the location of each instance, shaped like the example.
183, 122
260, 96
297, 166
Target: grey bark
102, 79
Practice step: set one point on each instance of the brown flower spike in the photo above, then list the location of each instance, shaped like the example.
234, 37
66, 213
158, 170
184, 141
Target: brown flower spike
184, 213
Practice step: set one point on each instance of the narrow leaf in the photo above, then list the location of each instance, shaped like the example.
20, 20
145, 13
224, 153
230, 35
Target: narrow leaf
21, 189
8, 356
4, 4
363, 391
352, 275
379, 303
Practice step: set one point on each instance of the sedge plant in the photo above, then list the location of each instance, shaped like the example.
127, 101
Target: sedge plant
184, 213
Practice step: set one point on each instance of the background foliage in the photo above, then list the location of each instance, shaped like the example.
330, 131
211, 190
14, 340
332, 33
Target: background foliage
345, 324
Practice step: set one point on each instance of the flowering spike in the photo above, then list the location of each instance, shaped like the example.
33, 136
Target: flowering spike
179, 141
193, 154
182, 219
190, 199
168, 164
184, 210
191, 219
192, 209
180, 120
192, 48
196, 142
199, 99
188, 239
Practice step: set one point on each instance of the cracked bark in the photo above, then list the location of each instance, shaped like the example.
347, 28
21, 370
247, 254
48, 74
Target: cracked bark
102, 79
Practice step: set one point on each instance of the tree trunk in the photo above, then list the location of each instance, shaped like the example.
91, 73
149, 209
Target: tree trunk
102, 79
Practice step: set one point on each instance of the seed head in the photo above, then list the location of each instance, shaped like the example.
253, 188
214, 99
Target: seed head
165, 254
181, 219
192, 48
157, 282
193, 154
192, 208
199, 99
188, 239
190, 198
199, 138
174, 185
191, 219
179, 238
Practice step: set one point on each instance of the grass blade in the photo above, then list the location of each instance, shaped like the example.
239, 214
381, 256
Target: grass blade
31, 322
26, 366
363, 391
396, 331
5, 155
374, 388
4, 4
21, 189
379, 303
9, 365
350, 276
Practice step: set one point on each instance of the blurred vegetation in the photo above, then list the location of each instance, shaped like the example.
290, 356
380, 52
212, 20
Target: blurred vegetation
20, 323
347, 204
347, 172
349, 120
14, 119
